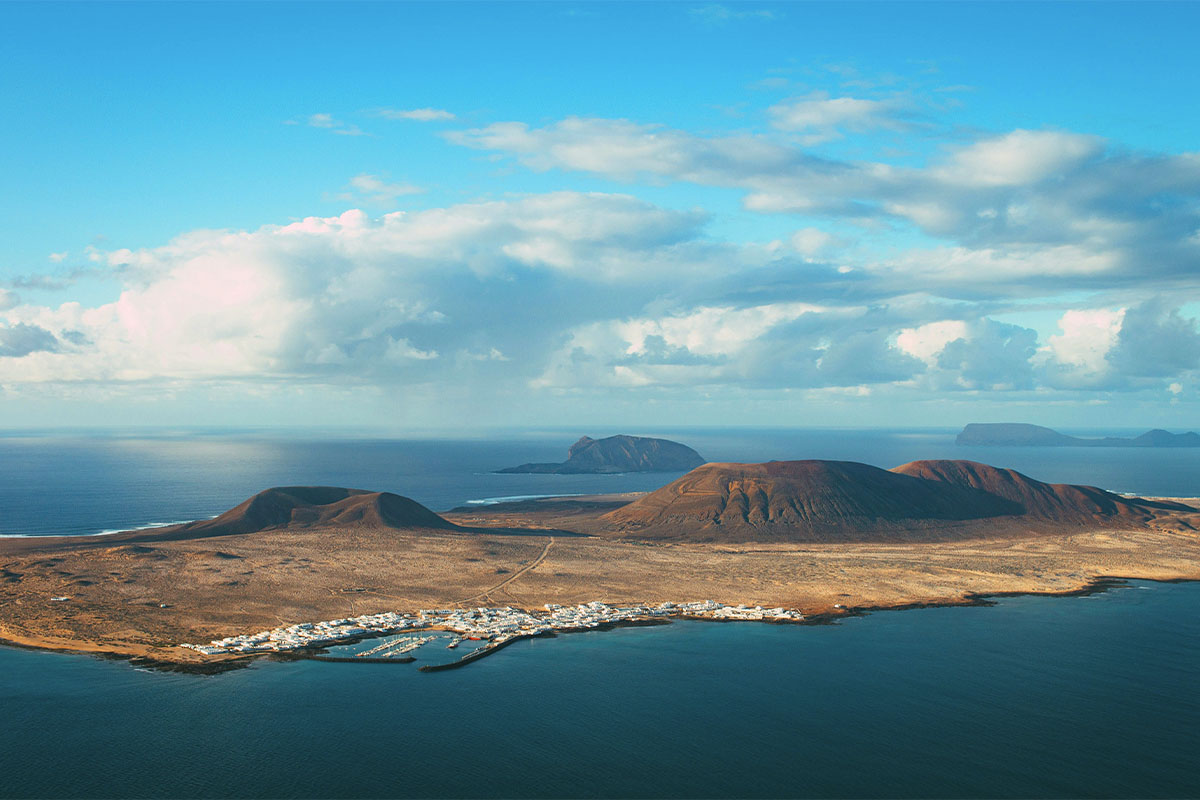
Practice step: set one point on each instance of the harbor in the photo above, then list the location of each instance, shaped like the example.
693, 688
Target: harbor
492, 627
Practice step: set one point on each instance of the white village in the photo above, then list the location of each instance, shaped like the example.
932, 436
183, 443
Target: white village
493, 627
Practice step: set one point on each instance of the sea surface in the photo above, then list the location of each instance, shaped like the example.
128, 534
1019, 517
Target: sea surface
54, 485
1093, 696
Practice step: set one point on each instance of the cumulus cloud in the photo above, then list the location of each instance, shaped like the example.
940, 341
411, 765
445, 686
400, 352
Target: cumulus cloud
354, 297
927, 341
1155, 341
994, 355
416, 114
769, 346
1077, 356
973, 354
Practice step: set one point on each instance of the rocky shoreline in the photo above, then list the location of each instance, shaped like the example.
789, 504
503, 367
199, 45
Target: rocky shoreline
225, 663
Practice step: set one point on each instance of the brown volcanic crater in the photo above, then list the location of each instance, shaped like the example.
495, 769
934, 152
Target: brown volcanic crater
800, 501
290, 507
847, 501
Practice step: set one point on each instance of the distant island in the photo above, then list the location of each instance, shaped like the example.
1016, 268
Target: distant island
298, 568
1020, 434
618, 454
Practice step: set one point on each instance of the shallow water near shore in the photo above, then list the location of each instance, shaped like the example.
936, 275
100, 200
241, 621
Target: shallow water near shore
1036, 697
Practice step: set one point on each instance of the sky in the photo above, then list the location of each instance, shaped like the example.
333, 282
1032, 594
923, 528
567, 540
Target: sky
463, 216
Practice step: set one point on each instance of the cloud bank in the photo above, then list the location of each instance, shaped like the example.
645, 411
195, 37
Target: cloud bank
1027, 263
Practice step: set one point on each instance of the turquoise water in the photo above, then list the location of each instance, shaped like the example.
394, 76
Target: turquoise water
1036, 697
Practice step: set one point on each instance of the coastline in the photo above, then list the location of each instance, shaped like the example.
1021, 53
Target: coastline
177, 659
141, 595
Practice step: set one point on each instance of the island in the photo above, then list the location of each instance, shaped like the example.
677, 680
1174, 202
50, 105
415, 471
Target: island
616, 454
294, 570
1013, 434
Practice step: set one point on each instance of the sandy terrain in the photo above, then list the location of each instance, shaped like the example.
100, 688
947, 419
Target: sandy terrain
244, 583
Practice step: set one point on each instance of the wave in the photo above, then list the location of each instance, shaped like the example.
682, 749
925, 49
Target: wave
516, 498
149, 526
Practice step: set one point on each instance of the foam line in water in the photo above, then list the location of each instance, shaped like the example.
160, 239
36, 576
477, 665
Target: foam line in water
515, 498
107, 532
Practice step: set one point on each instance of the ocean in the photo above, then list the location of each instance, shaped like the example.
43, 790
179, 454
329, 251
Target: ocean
1089, 696
53, 485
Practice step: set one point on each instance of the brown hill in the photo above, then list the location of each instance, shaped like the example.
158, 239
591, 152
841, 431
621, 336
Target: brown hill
802, 501
1060, 502
312, 507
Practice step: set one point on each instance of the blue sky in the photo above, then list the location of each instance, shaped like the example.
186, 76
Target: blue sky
610, 213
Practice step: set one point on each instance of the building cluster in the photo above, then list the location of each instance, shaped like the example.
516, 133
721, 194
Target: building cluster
310, 634
496, 625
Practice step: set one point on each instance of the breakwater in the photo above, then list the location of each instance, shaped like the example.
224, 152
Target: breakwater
359, 659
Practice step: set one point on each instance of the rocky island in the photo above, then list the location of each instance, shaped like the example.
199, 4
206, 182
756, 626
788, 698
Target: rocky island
294, 568
1012, 434
618, 454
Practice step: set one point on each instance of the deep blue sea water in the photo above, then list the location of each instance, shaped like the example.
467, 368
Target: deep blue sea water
1036, 697
78, 485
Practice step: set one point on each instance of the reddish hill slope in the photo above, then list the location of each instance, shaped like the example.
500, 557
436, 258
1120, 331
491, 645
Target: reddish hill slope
802, 501
1060, 502
315, 506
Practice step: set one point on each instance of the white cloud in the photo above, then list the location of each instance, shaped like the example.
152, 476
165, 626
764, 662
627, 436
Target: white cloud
1018, 158
416, 114
984, 270
621, 148
1156, 341
330, 123
376, 190
58, 258
823, 118
975, 354
767, 346
813, 242
1026, 207
927, 341
403, 350
1077, 357
711, 331
353, 296
1086, 338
